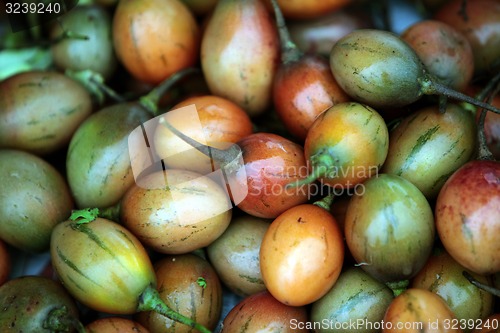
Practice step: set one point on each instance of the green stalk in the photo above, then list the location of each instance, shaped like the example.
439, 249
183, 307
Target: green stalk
489, 289
322, 165
326, 202
150, 101
398, 287
431, 87
150, 300
59, 320
289, 50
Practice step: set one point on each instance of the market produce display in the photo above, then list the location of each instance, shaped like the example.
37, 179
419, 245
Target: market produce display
249, 166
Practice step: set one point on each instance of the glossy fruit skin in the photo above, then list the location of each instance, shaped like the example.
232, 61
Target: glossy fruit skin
178, 287
468, 216
416, 307
443, 276
34, 197
389, 228
302, 90
235, 255
101, 264
302, 247
155, 38
271, 163
481, 27
445, 52
355, 295
220, 123
358, 158
26, 302
377, 68
310, 9
29, 103
428, 146
99, 171
96, 53
240, 53
176, 211
262, 312
115, 325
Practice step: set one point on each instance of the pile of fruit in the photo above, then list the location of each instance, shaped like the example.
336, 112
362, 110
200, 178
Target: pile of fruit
251, 166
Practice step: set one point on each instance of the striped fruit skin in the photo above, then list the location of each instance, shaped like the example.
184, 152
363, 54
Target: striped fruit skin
443, 276
389, 227
101, 264
355, 295
419, 307
355, 136
428, 146
179, 288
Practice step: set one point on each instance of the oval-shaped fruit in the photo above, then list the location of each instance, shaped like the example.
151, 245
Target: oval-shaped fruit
301, 255
479, 21
262, 312
347, 144
235, 255
33, 303
304, 89
40, 111
377, 67
176, 211
389, 228
444, 51
96, 52
428, 146
240, 53
98, 164
354, 298
443, 276
34, 197
468, 216
272, 162
189, 285
101, 264
154, 39
419, 310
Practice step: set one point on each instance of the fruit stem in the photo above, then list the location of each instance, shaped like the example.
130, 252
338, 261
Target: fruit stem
483, 152
322, 164
398, 287
489, 289
59, 320
326, 202
222, 157
150, 300
289, 50
428, 86
85, 215
94, 83
151, 100
111, 213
